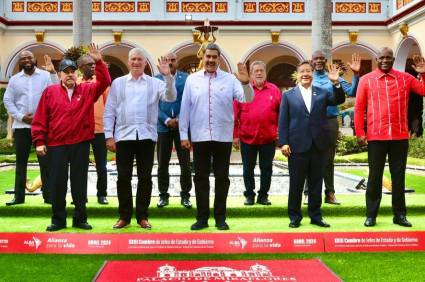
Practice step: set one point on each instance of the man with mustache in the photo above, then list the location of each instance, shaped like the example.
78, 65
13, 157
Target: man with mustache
168, 133
383, 95
256, 132
304, 139
86, 64
62, 128
207, 107
21, 100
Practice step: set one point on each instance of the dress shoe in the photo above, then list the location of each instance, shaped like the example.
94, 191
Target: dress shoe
162, 202
222, 226
198, 225
306, 200
249, 201
121, 223
331, 199
54, 227
263, 201
320, 223
102, 200
144, 223
186, 203
402, 221
82, 225
14, 202
370, 221
294, 224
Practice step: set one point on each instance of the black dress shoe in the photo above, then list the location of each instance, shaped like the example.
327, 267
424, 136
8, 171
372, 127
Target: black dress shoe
82, 225
370, 221
402, 221
294, 224
54, 227
102, 200
186, 203
222, 226
263, 201
249, 201
162, 202
14, 202
198, 225
320, 223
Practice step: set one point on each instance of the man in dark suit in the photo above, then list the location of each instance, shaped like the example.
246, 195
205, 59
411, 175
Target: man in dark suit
168, 133
304, 139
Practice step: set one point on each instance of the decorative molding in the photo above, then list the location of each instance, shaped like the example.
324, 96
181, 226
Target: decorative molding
197, 7
250, 7
143, 7
117, 37
18, 7
401, 3
42, 7
96, 7
404, 29
39, 37
275, 37
274, 7
298, 7
173, 7
66, 7
352, 36
350, 7
196, 35
221, 7
119, 7
374, 7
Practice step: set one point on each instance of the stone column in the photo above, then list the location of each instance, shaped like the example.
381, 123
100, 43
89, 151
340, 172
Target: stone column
321, 29
82, 22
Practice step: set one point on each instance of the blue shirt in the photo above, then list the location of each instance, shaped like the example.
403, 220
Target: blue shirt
320, 79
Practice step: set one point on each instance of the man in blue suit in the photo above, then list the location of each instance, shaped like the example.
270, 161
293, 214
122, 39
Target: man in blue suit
168, 133
304, 139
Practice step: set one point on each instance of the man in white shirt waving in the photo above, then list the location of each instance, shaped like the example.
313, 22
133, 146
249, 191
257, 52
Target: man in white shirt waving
130, 122
207, 108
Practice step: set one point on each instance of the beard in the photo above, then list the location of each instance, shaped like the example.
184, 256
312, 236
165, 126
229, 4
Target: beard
27, 67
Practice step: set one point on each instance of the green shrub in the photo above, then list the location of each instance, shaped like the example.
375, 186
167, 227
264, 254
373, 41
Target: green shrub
348, 145
6, 147
3, 112
417, 148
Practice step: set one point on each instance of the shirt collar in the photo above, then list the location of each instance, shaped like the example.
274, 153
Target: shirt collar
37, 71
302, 88
381, 74
214, 74
265, 86
130, 77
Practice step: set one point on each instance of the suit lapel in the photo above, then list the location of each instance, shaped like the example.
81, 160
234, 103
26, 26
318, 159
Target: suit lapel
314, 93
300, 97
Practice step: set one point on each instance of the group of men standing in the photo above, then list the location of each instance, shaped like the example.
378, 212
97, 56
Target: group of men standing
206, 111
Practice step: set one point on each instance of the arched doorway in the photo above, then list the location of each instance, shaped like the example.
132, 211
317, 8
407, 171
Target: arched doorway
406, 49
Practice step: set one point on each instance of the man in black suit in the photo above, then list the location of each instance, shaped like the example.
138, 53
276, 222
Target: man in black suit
304, 139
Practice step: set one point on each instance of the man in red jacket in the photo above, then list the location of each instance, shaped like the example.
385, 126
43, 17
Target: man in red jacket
256, 131
62, 127
383, 95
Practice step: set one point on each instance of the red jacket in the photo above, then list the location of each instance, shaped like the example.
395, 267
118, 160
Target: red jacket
256, 122
59, 121
385, 98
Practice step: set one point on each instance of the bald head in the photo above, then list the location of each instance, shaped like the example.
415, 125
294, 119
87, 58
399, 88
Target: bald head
27, 62
385, 60
318, 60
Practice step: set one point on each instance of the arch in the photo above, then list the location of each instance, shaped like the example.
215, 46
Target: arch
299, 54
12, 60
403, 51
360, 44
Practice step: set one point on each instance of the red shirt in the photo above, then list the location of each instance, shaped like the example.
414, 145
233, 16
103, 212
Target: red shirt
256, 122
385, 98
61, 121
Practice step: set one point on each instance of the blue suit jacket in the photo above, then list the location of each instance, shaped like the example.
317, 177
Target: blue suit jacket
171, 109
300, 129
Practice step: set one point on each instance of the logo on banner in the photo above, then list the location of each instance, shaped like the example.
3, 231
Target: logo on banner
240, 242
35, 242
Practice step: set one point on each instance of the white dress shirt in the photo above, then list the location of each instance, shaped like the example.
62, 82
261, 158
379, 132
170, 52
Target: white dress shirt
306, 94
131, 110
207, 106
24, 92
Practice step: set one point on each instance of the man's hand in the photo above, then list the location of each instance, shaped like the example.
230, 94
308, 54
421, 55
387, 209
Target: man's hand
48, 65
286, 150
242, 75
41, 150
333, 73
172, 124
236, 143
110, 145
185, 144
94, 52
362, 140
355, 63
164, 66
418, 64
27, 118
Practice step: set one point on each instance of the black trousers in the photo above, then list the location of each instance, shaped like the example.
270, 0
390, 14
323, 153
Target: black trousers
306, 165
99, 151
144, 152
164, 149
397, 157
220, 154
75, 159
23, 143
265, 154
328, 176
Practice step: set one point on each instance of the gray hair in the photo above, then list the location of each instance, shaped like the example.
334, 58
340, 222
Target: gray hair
81, 59
213, 46
138, 51
257, 63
